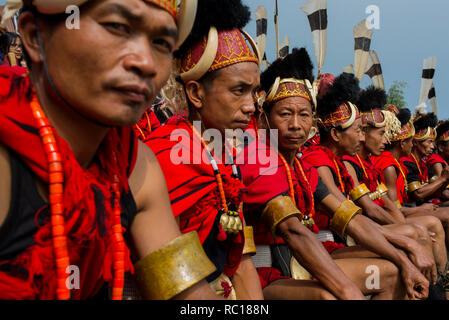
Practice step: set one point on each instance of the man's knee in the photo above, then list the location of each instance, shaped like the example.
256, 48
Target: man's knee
421, 231
410, 230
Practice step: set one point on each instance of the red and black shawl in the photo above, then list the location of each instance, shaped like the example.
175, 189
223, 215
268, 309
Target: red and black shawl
192, 184
267, 181
385, 160
369, 174
415, 169
88, 249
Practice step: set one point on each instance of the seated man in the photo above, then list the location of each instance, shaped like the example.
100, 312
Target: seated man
340, 134
395, 178
75, 183
378, 127
282, 196
420, 189
437, 161
204, 187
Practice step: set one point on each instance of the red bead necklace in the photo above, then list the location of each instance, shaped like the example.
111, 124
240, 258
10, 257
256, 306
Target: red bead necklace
291, 187
56, 196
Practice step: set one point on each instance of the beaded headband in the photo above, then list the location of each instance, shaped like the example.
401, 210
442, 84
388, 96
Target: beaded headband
218, 50
344, 116
382, 119
428, 133
406, 132
185, 18
290, 87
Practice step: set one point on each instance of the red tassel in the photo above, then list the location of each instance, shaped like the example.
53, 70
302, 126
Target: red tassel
227, 289
221, 234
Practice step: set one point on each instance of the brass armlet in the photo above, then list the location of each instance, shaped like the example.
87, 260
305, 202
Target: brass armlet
359, 192
343, 215
413, 186
175, 267
398, 204
277, 210
433, 179
379, 193
250, 246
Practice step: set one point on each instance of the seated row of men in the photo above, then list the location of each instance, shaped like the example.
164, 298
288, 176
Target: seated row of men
282, 210
360, 183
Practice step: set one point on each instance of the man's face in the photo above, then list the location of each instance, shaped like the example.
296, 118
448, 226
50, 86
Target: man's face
229, 100
293, 118
351, 137
112, 68
425, 148
375, 140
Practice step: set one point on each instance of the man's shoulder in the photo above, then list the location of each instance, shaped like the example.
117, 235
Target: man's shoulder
5, 182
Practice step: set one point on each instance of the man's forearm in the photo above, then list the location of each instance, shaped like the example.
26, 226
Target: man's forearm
310, 253
395, 212
366, 233
430, 190
246, 281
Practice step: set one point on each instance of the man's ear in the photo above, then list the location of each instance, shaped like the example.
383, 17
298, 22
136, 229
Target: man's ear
335, 135
195, 93
28, 32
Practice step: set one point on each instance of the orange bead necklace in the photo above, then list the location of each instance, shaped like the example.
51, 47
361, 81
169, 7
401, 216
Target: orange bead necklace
291, 187
56, 196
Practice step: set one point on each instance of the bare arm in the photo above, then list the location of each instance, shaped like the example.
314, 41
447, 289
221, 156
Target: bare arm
393, 209
246, 281
154, 225
362, 230
437, 169
309, 251
5, 184
371, 209
430, 190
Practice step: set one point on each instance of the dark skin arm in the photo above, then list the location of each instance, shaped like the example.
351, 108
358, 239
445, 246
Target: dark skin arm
246, 281
364, 232
371, 209
154, 225
309, 251
437, 169
432, 189
393, 209
391, 176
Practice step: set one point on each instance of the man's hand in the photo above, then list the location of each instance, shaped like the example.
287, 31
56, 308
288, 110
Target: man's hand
416, 285
428, 207
423, 261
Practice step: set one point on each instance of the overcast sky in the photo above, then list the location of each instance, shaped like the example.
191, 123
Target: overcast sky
410, 31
